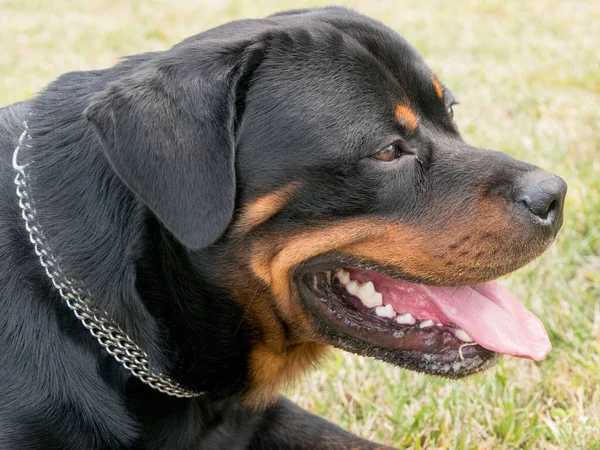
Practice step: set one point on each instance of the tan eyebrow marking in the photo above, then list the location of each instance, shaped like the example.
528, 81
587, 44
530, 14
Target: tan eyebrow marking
406, 117
439, 90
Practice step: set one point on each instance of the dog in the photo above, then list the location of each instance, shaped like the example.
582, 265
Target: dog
185, 233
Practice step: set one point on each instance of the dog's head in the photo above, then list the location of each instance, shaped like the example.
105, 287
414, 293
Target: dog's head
311, 160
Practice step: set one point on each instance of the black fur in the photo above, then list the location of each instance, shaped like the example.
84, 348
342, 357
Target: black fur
138, 171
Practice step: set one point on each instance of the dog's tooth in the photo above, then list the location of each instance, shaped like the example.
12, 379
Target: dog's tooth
367, 290
370, 302
369, 296
343, 276
406, 319
462, 336
376, 299
385, 311
426, 323
352, 287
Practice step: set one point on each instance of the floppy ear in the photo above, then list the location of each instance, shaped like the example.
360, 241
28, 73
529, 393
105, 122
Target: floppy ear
167, 128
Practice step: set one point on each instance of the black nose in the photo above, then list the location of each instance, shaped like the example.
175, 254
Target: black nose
542, 195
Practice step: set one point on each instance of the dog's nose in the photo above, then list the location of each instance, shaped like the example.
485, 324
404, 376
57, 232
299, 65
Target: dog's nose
542, 195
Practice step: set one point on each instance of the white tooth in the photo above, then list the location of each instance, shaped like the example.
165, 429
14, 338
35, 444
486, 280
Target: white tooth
369, 296
406, 319
352, 287
426, 323
375, 300
439, 324
385, 311
366, 290
461, 335
343, 276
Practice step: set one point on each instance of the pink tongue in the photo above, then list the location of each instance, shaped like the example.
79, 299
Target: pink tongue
489, 313
492, 316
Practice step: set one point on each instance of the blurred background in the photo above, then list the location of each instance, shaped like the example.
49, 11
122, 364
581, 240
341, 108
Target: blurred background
527, 76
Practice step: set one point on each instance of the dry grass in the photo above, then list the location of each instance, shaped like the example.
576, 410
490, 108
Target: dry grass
527, 75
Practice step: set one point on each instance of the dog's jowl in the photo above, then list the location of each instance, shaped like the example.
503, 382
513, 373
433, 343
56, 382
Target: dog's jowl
184, 233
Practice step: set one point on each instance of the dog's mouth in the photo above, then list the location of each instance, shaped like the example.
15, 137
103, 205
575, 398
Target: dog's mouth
450, 331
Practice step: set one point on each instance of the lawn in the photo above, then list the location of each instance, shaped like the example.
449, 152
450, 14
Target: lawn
527, 75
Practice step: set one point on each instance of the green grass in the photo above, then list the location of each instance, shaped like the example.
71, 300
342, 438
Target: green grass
527, 75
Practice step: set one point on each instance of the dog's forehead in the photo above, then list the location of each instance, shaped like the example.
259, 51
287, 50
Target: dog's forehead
353, 36
358, 79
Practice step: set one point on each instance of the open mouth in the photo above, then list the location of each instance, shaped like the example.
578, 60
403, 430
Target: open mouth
450, 331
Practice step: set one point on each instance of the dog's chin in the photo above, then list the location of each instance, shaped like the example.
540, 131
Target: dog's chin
416, 326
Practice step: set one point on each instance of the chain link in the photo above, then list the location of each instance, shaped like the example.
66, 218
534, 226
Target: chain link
110, 336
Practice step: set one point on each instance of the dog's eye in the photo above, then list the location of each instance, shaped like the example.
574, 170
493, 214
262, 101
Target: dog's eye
389, 153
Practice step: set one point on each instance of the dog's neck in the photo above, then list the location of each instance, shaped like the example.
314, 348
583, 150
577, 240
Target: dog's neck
109, 334
154, 288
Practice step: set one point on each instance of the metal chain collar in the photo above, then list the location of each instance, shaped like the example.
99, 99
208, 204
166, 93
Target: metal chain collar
110, 336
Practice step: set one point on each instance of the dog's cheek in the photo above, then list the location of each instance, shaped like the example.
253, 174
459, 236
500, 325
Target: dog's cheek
261, 209
282, 348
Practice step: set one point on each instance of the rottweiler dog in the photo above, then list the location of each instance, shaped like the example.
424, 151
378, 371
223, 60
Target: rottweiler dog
184, 233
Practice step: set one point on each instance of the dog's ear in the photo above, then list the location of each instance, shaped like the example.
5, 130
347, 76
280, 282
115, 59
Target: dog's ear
167, 128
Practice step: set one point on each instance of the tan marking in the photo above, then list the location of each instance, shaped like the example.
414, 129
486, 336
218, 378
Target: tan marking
439, 90
262, 209
282, 347
406, 117
271, 370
